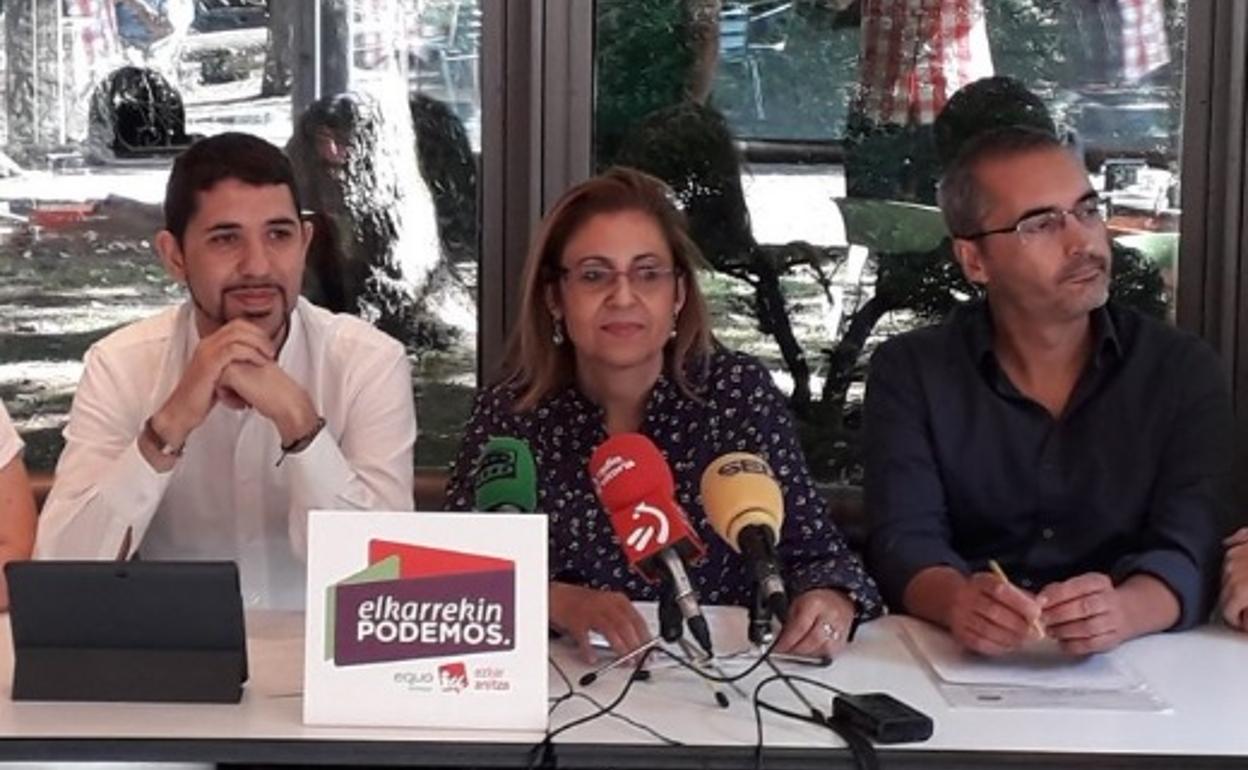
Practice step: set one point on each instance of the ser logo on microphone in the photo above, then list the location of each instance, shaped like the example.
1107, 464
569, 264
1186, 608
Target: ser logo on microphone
745, 465
639, 539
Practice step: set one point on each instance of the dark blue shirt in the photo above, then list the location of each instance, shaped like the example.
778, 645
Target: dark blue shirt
741, 411
1132, 478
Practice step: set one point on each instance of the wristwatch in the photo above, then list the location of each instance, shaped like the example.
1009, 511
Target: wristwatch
162, 446
303, 442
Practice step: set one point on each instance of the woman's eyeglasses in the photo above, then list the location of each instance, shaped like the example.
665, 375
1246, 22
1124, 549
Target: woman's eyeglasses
599, 279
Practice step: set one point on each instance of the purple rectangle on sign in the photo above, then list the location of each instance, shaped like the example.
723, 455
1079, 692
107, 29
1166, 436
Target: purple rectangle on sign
425, 617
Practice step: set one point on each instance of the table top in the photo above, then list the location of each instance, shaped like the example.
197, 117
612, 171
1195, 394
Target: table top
1202, 675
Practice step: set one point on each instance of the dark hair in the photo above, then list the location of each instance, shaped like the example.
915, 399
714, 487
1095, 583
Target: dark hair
244, 157
985, 105
960, 196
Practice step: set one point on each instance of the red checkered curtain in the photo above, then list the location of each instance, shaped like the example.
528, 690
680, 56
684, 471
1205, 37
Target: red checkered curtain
1144, 45
916, 53
1125, 40
91, 50
95, 43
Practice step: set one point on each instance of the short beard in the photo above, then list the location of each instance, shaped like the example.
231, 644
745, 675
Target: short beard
219, 318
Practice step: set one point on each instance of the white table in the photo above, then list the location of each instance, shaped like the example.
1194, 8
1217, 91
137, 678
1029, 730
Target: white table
1203, 674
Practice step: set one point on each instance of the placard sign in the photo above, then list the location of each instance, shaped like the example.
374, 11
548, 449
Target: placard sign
426, 620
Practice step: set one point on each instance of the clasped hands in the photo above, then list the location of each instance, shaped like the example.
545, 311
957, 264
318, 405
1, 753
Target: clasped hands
235, 366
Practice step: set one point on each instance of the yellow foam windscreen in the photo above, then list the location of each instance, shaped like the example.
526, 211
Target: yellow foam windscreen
738, 490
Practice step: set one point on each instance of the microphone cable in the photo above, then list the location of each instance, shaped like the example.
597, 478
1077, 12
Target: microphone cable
860, 747
574, 693
540, 754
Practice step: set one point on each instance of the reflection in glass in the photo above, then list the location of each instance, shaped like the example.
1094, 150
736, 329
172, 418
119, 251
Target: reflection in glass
101, 94
808, 167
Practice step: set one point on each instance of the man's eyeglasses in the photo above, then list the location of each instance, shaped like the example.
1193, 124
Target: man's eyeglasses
596, 279
1048, 222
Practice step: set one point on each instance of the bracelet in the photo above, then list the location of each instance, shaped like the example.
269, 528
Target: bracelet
162, 446
303, 442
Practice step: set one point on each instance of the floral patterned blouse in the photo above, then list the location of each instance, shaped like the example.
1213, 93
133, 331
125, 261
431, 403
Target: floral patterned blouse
741, 411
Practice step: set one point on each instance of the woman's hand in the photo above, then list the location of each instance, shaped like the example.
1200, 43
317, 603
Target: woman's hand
818, 624
577, 610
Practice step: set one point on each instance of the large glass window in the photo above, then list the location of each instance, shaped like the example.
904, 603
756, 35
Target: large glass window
802, 137
381, 116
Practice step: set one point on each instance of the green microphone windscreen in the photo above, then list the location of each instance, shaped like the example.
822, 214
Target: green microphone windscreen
505, 478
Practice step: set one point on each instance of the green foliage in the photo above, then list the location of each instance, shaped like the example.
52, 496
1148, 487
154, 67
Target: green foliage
1034, 41
643, 58
690, 147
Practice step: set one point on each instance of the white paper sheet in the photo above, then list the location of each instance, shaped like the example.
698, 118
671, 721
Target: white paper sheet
1040, 677
1039, 664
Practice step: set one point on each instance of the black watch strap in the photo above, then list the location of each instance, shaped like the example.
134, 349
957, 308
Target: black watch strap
303, 442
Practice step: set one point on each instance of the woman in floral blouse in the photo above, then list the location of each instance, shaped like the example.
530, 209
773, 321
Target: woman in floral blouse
614, 336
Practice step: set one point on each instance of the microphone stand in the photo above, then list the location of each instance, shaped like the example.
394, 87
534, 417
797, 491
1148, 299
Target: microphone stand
671, 622
674, 587
671, 630
760, 633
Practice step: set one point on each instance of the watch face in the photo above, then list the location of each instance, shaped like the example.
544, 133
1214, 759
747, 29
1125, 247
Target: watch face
156, 439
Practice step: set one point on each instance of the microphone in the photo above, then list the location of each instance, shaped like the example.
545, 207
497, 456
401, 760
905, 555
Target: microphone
745, 507
636, 487
505, 477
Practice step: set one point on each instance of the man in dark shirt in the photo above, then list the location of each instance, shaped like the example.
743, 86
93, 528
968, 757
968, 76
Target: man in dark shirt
1080, 444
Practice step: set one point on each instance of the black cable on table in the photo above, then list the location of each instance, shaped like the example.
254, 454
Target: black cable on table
542, 750
713, 677
815, 683
860, 747
848, 733
574, 693
756, 702
561, 699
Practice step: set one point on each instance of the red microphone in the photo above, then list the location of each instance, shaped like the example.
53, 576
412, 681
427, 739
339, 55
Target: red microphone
636, 487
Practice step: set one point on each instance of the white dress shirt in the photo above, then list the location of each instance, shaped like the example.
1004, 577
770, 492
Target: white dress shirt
226, 498
10, 442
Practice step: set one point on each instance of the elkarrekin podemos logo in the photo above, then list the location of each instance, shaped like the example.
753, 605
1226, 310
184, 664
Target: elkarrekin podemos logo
414, 602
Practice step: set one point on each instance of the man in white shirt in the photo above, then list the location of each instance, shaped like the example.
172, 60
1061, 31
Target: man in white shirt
17, 507
209, 430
